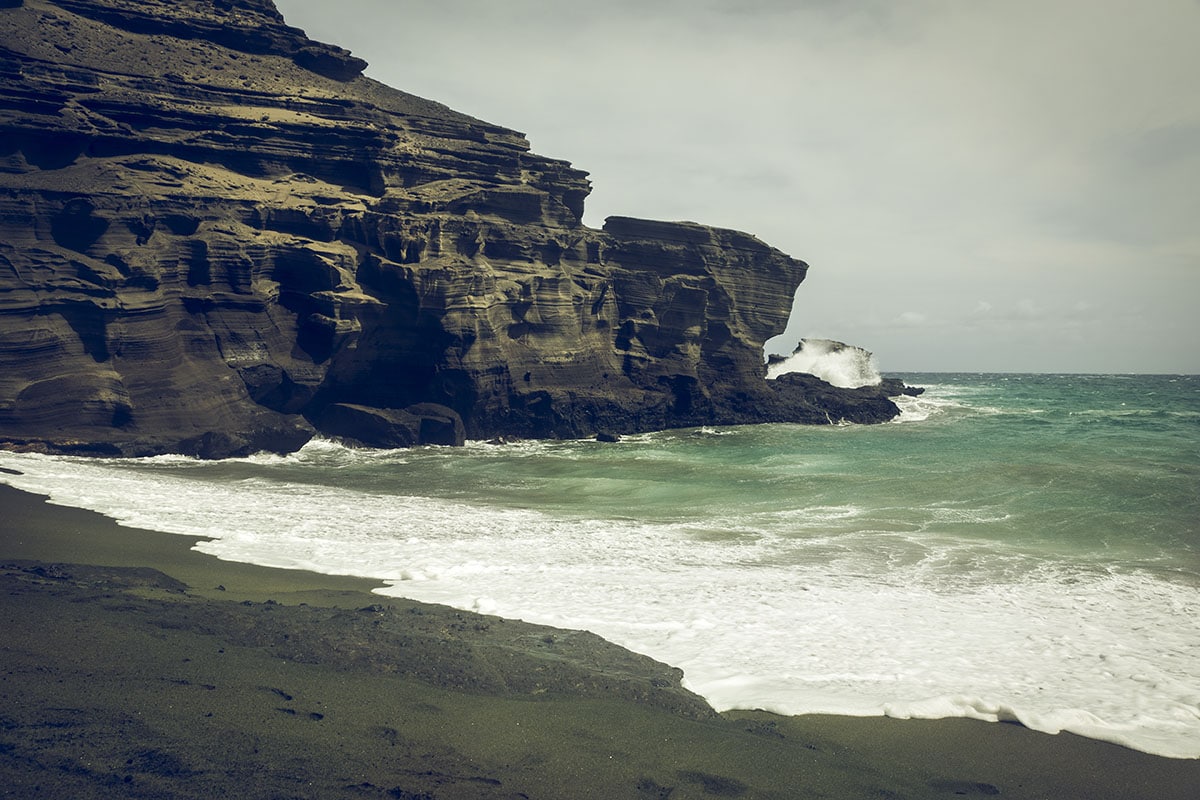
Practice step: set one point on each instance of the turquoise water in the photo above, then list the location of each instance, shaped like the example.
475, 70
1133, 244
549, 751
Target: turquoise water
1021, 547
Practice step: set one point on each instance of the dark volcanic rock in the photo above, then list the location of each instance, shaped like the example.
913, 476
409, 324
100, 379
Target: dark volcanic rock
807, 398
213, 230
424, 423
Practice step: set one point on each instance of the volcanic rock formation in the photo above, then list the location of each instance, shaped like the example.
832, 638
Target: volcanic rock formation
217, 236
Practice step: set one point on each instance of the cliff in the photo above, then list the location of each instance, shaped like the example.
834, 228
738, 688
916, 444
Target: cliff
217, 236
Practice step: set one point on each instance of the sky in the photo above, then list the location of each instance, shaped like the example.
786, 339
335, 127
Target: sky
977, 185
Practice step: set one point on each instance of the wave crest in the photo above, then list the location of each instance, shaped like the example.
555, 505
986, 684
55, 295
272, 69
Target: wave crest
834, 362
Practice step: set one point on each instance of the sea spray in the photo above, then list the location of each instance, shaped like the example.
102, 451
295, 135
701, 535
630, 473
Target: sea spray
837, 363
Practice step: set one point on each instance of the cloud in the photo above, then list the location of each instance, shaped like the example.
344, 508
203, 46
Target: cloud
1027, 309
912, 319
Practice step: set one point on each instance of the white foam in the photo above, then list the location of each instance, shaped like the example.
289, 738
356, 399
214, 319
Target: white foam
812, 610
922, 407
837, 363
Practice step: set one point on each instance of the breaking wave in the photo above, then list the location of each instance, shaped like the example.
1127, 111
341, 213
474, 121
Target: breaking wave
834, 362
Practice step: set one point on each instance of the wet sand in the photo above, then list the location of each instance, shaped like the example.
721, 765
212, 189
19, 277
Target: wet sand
134, 667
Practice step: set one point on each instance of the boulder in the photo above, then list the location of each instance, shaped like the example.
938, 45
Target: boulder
421, 424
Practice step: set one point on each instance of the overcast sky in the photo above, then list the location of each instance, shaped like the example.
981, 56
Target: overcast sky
978, 185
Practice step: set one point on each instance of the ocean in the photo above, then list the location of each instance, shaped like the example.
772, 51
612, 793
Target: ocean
1014, 547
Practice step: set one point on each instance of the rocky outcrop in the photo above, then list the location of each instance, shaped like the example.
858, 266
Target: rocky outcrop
424, 423
808, 399
216, 236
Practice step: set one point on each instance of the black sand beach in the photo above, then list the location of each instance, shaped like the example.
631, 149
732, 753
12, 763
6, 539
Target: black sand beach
133, 667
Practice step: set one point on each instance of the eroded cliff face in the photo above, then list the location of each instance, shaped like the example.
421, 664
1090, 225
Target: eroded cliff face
217, 236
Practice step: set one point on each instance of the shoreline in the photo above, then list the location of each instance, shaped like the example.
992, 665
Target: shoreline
160, 656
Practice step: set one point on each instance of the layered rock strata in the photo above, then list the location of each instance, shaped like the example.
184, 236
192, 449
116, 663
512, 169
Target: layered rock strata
217, 236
